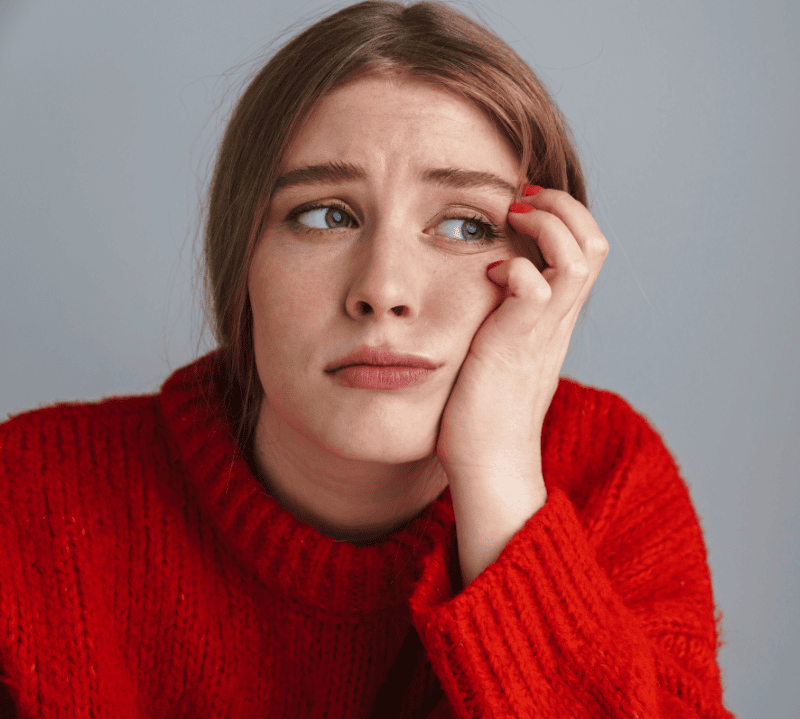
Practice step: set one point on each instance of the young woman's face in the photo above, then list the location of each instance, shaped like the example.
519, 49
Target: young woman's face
384, 257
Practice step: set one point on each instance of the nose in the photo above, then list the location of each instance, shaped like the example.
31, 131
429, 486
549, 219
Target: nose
385, 276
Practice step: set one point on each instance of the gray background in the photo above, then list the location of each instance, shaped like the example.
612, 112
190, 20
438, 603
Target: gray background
687, 117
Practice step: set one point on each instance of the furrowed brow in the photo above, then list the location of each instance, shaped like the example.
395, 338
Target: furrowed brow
326, 174
334, 172
467, 179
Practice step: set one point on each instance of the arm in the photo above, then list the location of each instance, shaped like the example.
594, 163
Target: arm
602, 612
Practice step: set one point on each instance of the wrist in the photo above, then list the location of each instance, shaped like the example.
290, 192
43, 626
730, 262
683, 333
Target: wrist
489, 510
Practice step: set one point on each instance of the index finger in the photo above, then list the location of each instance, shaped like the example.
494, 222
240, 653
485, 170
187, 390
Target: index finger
578, 220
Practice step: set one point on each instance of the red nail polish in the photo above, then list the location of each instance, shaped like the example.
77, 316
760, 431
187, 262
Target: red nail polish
521, 207
494, 264
529, 190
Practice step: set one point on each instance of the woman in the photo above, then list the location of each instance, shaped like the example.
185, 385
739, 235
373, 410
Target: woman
376, 498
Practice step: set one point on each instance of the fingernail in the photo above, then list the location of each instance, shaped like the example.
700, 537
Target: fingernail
521, 207
529, 190
494, 264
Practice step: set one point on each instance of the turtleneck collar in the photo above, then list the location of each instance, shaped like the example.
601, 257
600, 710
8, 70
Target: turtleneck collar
293, 557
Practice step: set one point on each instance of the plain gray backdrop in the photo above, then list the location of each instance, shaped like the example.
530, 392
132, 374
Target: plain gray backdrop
687, 117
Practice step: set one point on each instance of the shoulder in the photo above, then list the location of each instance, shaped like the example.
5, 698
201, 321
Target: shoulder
595, 442
67, 437
60, 413
74, 476
596, 416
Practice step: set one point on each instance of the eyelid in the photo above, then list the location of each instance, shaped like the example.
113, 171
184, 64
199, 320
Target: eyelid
466, 213
292, 215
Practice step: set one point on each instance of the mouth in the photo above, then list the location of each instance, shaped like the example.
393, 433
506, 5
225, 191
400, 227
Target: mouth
380, 357
377, 377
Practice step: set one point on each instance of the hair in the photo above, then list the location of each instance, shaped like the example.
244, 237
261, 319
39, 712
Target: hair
424, 42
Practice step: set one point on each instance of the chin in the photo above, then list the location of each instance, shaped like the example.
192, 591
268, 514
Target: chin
382, 445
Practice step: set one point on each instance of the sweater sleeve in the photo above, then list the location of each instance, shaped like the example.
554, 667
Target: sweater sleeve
611, 617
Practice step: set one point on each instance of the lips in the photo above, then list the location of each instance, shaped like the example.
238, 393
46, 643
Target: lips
381, 357
371, 377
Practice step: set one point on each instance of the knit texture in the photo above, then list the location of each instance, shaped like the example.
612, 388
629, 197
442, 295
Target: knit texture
145, 572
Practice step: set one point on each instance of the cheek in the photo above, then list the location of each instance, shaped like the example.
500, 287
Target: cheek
286, 304
465, 300
260, 289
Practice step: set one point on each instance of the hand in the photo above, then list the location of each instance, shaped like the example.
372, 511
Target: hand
489, 441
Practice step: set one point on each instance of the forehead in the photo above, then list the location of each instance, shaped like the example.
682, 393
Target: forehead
400, 124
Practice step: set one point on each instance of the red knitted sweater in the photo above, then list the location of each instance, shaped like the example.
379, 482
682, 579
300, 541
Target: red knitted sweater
145, 572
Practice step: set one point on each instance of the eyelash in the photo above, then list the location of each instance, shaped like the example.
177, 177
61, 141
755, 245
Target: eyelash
491, 231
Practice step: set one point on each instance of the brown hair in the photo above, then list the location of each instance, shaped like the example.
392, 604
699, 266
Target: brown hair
425, 42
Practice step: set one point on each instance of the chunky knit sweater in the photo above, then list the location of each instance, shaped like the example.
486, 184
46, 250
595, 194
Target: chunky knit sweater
145, 572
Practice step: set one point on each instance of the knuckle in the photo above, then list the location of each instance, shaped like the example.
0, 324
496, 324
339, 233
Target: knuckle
542, 290
578, 270
566, 203
559, 196
598, 246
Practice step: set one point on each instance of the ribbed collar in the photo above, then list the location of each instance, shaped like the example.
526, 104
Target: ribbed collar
285, 553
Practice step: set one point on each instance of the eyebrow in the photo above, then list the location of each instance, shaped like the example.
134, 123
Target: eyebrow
333, 172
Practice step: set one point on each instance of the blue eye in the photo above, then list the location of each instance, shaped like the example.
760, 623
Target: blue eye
333, 216
471, 230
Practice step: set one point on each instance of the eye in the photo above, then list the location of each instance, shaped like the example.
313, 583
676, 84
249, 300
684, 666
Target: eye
333, 216
321, 217
471, 230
